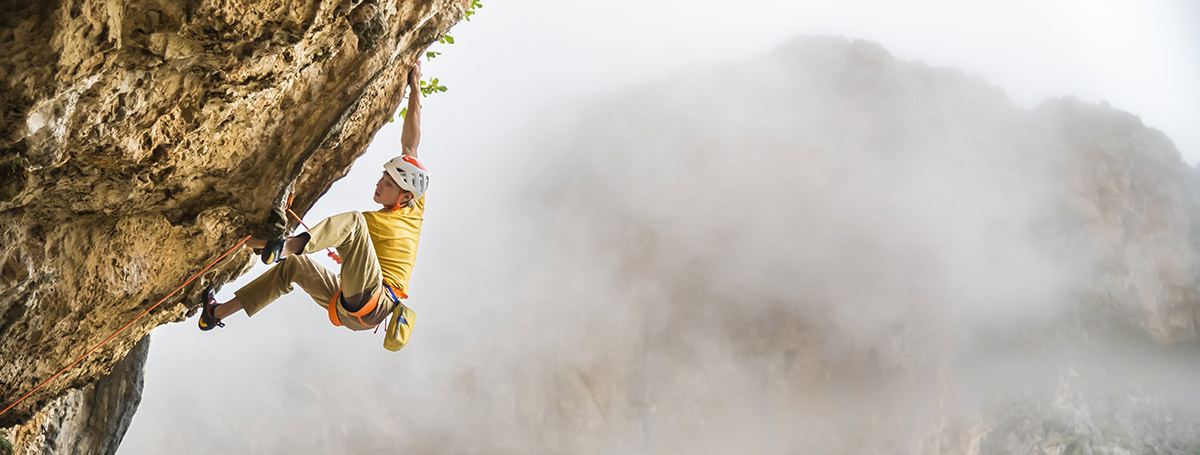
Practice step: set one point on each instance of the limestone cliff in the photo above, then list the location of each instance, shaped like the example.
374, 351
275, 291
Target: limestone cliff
88, 420
138, 140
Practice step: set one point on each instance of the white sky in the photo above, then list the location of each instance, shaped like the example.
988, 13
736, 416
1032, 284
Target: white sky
1141, 56
521, 57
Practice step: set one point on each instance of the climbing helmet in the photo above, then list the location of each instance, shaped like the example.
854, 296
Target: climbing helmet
409, 174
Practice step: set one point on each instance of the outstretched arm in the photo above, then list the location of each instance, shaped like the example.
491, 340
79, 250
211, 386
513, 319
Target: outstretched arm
412, 119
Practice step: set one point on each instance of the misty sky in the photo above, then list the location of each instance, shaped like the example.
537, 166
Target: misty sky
519, 59
1140, 56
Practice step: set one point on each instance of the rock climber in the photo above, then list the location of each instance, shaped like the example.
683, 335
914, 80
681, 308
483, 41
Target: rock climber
377, 250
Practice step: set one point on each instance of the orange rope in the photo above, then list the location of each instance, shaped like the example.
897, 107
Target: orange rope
122, 329
332, 254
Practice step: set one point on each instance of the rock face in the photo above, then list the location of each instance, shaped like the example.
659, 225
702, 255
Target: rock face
88, 420
139, 140
828, 250
861, 255
1131, 208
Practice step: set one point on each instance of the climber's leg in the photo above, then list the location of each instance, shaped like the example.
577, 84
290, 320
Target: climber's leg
317, 281
224, 310
360, 276
276, 250
347, 232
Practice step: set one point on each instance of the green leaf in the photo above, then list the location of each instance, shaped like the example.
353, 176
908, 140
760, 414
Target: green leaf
430, 55
403, 112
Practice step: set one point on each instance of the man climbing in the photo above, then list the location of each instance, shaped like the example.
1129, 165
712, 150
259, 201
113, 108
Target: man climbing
377, 251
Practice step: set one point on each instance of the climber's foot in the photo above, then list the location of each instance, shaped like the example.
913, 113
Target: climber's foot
273, 251
208, 320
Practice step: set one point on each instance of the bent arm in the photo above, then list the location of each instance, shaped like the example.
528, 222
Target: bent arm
412, 119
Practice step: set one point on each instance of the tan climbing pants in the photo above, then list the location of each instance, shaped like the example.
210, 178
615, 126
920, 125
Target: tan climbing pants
360, 276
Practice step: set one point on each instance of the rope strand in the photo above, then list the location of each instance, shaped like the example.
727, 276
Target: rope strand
122, 329
332, 255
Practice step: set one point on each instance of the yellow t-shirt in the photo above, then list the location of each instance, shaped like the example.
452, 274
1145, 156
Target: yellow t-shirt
394, 234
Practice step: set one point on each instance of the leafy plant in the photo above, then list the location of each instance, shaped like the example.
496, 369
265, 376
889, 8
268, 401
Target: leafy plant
475, 4
6, 447
431, 86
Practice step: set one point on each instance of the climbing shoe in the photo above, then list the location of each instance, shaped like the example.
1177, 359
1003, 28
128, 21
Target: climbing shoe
273, 251
207, 320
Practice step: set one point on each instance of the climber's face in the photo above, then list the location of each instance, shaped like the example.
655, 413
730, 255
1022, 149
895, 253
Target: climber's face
387, 191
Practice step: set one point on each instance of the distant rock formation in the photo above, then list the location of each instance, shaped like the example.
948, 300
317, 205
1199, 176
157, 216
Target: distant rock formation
140, 139
846, 253
825, 249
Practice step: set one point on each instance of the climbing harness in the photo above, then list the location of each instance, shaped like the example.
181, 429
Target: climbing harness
366, 309
399, 323
122, 329
394, 299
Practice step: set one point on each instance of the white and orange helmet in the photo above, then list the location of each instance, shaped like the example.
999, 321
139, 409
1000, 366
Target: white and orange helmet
409, 173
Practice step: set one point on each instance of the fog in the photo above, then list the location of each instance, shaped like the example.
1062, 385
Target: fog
816, 249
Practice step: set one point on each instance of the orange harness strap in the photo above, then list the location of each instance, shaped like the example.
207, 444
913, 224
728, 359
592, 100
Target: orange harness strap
365, 310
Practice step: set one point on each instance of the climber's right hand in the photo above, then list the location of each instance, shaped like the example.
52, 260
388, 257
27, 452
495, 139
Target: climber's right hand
414, 76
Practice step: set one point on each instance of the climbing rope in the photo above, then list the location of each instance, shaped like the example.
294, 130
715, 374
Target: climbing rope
332, 255
122, 329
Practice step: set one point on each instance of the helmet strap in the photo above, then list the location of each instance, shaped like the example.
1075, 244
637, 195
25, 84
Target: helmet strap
398, 205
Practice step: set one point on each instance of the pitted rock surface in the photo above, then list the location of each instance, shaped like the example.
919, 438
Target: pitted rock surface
91, 419
139, 140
